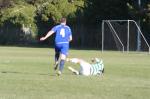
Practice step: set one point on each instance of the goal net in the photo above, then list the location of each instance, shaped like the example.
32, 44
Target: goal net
123, 35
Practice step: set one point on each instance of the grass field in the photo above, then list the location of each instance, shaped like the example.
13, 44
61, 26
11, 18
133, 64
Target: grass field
27, 73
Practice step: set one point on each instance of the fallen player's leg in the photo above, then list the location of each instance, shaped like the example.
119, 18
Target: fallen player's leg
73, 60
73, 70
84, 66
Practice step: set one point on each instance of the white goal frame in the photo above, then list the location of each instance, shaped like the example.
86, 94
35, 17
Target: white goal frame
108, 22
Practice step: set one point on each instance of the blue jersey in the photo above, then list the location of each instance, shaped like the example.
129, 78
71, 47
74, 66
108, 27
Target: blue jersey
63, 32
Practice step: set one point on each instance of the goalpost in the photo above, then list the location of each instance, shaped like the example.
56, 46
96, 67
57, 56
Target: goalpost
129, 36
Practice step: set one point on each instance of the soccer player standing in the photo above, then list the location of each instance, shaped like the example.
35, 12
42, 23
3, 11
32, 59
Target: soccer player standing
62, 38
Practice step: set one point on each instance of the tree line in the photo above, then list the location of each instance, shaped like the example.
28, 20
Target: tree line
24, 21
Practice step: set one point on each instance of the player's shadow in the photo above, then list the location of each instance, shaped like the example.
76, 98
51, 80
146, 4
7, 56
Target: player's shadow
13, 72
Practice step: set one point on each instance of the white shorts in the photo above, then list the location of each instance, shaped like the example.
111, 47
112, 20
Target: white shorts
85, 68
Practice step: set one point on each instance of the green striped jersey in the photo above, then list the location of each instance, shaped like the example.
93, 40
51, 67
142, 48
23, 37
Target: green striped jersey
96, 68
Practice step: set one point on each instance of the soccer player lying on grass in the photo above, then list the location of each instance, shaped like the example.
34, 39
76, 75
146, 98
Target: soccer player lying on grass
86, 69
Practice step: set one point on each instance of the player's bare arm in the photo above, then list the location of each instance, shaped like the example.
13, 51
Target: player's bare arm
46, 36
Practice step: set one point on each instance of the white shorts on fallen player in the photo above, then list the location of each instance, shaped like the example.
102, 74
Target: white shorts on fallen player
85, 68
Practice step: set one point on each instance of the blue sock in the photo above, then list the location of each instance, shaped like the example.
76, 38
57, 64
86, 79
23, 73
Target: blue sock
61, 66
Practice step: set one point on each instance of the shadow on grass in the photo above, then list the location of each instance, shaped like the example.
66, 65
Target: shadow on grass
13, 72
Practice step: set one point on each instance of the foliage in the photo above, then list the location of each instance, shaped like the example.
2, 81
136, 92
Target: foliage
85, 12
98, 10
141, 13
50, 11
6, 3
19, 15
57, 9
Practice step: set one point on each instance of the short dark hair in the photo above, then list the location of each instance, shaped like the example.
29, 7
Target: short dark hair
63, 20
